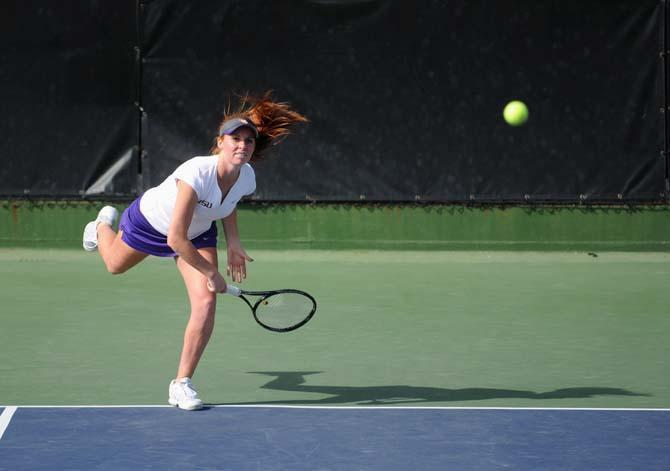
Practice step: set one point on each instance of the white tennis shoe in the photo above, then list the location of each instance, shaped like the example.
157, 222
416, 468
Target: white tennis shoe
182, 394
107, 215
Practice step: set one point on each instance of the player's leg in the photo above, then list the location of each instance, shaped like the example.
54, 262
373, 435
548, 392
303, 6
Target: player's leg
203, 306
198, 330
117, 255
99, 235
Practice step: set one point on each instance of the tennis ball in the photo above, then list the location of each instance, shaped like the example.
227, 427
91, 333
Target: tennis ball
515, 113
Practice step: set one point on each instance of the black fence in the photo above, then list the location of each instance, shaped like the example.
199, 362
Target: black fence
104, 99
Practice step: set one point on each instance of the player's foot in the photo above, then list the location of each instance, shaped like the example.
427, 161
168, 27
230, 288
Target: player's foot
182, 394
107, 215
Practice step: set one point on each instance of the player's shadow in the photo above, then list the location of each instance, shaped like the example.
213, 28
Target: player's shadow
293, 381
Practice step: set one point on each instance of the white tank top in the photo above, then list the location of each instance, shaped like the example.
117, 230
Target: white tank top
157, 204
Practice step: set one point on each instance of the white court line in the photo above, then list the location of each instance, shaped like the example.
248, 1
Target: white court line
280, 406
5, 418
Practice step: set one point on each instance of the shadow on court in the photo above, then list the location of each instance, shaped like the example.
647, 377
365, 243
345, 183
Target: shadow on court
402, 394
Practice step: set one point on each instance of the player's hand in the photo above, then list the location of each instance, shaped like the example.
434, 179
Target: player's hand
216, 283
237, 263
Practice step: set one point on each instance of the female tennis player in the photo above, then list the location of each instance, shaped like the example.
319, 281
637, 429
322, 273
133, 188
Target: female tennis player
178, 219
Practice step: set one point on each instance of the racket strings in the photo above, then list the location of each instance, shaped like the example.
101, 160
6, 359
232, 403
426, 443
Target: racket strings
283, 310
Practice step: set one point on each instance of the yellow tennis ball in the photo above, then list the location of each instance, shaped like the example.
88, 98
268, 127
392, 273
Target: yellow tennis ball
515, 113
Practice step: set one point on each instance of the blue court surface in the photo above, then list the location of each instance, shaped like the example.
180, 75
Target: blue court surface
337, 438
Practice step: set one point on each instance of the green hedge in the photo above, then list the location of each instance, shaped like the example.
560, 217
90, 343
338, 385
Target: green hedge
411, 227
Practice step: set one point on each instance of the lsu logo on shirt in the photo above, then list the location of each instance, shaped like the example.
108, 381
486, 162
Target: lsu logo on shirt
205, 203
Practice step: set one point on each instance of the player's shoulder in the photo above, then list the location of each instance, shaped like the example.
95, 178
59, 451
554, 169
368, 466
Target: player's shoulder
248, 179
200, 165
248, 171
202, 161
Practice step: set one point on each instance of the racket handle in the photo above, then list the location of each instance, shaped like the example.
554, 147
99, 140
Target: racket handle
233, 290
230, 289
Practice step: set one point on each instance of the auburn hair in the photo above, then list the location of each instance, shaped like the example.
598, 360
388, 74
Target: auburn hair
273, 120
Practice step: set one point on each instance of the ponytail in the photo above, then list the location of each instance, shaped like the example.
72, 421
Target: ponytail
273, 120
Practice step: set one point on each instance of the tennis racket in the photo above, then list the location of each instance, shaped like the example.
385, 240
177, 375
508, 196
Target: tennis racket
281, 310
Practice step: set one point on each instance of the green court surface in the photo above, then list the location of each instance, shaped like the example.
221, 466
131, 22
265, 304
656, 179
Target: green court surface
514, 329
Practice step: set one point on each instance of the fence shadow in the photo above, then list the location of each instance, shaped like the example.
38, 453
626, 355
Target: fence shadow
402, 394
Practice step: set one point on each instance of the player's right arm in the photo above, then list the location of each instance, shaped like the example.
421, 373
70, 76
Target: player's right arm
178, 240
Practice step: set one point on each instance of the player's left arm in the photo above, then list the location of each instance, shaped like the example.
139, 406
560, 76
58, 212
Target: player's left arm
237, 257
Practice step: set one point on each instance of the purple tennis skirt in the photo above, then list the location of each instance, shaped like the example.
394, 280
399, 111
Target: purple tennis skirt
140, 235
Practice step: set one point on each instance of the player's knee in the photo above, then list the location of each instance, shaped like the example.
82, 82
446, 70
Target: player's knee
208, 304
204, 306
115, 268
